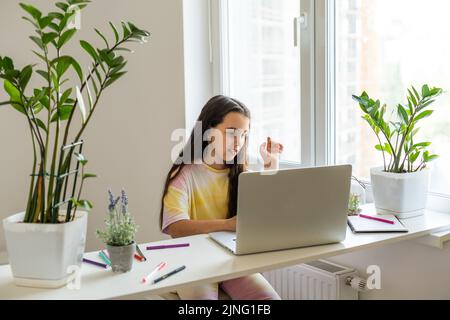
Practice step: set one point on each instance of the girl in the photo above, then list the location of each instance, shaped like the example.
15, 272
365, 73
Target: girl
200, 193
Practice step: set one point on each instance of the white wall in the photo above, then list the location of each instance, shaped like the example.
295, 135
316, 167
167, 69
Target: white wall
409, 271
128, 143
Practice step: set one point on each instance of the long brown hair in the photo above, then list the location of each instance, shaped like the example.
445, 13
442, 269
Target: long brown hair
213, 114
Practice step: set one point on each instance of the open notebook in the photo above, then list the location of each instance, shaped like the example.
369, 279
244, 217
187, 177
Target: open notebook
363, 225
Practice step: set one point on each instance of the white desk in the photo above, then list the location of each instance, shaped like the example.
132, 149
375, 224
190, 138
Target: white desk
207, 262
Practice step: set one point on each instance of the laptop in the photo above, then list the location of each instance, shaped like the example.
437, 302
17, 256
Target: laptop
289, 209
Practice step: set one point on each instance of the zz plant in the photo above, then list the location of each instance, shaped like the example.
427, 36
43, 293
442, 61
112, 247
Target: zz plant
50, 108
402, 153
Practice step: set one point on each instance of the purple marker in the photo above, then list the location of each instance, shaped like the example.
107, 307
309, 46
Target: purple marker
169, 246
95, 263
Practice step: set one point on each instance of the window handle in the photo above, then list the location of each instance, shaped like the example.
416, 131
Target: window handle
299, 22
296, 32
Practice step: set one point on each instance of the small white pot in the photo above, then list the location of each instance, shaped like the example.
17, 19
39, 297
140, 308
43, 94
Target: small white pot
40, 254
401, 194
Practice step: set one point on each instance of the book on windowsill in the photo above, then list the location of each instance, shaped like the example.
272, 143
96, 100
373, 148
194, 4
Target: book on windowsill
364, 225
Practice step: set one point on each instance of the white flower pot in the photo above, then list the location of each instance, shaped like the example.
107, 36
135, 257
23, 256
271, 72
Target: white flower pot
40, 254
403, 195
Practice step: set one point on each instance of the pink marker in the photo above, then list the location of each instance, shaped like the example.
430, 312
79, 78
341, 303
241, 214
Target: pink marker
158, 268
376, 219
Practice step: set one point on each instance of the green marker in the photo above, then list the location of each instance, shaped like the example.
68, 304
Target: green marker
104, 258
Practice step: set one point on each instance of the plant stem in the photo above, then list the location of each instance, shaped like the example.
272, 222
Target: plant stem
30, 193
50, 214
49, 113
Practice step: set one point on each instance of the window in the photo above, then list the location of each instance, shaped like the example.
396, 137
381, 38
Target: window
383, 47
302, 95
264, 69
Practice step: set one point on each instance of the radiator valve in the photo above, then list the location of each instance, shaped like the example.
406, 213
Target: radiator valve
357, 283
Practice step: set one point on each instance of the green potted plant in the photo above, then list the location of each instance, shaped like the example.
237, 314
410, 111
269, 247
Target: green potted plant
51, 232
400, 187
119, 234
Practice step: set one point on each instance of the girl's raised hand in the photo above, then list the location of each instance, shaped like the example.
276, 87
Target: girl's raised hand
270, 152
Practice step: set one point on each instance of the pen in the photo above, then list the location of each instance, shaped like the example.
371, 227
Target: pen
104, 258
376, 219
138, 257
169, 274
158, 268
95, 263
140, 253
168, 246
105, 252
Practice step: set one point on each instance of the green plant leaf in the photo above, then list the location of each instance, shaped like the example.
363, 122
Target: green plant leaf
402, 113
25, 76
38, 94
45, 102
425, 104
8, 64
414, 157
56, 15
84, 204
14, 95
38, 42
416, 93
103, 37
422, 145
49, 37
12, 91
32, 22
106, 57
45, 21
436, 92
63, 6
116, 34
433, 157
43, 73
379, 147
64, 96
114, 78
41, 124
89, 176
77, 68
35, 13
412, 97
54, 27
65, 37
126, 31
425, 91
62, 64
388, 149
90, 50
423, 115
64, 113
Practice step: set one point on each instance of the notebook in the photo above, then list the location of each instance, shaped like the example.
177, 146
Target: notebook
363, 225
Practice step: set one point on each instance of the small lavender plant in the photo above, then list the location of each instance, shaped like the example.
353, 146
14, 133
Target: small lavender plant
120, 226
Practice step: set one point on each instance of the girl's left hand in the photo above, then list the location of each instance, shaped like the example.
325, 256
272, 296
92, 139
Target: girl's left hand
270, 152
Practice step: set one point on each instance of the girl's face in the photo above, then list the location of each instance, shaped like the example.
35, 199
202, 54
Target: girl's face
234, 131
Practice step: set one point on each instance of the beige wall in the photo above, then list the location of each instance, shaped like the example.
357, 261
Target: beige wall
128, 143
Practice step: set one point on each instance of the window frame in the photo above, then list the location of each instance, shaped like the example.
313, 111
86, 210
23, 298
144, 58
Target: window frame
318, 104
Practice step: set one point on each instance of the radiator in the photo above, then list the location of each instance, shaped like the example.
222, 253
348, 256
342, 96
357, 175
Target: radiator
318, 280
